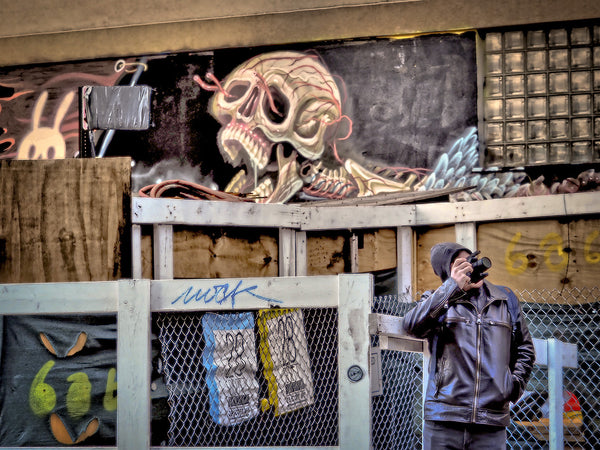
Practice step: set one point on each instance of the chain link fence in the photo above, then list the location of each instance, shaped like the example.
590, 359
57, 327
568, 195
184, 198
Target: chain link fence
245, 379
285, 363
570, 315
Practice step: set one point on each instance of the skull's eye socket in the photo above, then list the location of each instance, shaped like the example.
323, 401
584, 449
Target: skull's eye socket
312, 116
236, 91
276, 105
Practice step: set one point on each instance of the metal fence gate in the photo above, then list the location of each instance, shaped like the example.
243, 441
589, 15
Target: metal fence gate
312, 418
261, 362
569, 315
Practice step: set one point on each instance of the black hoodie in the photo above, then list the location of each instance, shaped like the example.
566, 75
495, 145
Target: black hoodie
442, 257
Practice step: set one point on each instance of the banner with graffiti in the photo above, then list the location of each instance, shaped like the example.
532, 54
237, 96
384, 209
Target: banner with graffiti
284, 354
58, 381
229, 357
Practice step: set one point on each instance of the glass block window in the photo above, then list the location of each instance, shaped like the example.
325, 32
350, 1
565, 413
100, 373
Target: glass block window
541, 96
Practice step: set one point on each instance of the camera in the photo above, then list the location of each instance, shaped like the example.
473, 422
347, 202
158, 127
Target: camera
480, 266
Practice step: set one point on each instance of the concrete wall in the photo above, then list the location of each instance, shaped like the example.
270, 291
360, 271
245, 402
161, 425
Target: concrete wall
54, 30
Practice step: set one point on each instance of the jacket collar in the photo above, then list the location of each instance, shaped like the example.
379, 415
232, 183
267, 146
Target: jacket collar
496, 292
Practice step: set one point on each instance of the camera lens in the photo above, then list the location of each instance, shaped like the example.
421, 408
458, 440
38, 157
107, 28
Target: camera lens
486, 262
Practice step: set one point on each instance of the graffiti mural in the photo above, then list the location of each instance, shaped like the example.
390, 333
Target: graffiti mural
305, 122
61, 384
306, 133
45, 142
39, 117
287, 98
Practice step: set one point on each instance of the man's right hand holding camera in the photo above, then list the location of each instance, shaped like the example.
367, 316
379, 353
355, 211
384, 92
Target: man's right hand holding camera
460, 272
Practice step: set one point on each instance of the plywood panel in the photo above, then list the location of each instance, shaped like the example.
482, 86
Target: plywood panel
64, 220
425, 279
147, 257
378, 251
544, 254
526, 255
327, 253
218, 253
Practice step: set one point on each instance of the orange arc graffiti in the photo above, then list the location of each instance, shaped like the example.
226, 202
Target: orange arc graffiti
62, 435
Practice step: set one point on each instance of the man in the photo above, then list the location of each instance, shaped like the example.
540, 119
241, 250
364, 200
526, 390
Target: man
478, 364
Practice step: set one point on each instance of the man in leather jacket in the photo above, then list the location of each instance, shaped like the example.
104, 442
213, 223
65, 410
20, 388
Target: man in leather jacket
478, 364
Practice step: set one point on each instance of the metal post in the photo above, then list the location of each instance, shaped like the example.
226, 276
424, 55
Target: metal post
426, 361
555, 397
355, 294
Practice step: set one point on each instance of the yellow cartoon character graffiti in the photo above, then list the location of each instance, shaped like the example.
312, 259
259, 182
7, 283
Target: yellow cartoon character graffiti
45, 142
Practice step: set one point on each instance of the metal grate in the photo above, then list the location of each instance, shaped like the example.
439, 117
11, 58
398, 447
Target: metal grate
570, 315
267, 378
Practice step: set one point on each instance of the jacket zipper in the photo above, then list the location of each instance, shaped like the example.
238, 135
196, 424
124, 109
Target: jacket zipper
478, 365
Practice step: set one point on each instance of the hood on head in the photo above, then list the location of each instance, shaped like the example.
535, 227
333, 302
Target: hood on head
442, 256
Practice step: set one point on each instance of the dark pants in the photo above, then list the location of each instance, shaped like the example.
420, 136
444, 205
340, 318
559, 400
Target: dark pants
462, 436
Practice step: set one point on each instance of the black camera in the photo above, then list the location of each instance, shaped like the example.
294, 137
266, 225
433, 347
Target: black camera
480, 266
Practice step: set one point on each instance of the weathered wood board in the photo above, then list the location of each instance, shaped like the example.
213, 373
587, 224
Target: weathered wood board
64, 220
527, 255
424, 278
218, 253
544, 254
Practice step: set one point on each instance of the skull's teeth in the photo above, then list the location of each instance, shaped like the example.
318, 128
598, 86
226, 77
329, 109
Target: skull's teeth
264, 189
257, 149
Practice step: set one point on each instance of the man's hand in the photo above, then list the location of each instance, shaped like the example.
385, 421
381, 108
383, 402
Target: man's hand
460, 271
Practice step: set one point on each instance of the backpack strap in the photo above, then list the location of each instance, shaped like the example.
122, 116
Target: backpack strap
513, 311
513, 307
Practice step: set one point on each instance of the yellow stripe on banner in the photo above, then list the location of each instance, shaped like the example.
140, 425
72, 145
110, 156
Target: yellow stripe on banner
264, 315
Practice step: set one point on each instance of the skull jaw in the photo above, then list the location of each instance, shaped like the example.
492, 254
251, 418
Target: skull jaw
239, 145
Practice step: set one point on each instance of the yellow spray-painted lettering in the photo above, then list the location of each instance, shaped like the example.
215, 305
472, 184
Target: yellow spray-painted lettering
42, 398
516, 263
591, 257
110, 395
553, 242
79, 395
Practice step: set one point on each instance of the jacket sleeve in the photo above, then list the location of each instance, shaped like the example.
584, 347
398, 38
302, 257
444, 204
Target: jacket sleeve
522, 356
423, 318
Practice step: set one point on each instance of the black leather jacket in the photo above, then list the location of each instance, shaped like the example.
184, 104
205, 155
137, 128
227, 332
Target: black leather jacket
473, 374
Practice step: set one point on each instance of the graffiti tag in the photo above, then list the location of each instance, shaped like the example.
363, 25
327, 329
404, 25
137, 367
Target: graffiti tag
42, 396
556, 257
220, 293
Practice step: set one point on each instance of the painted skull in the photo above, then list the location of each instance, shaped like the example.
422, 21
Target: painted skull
276, 98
